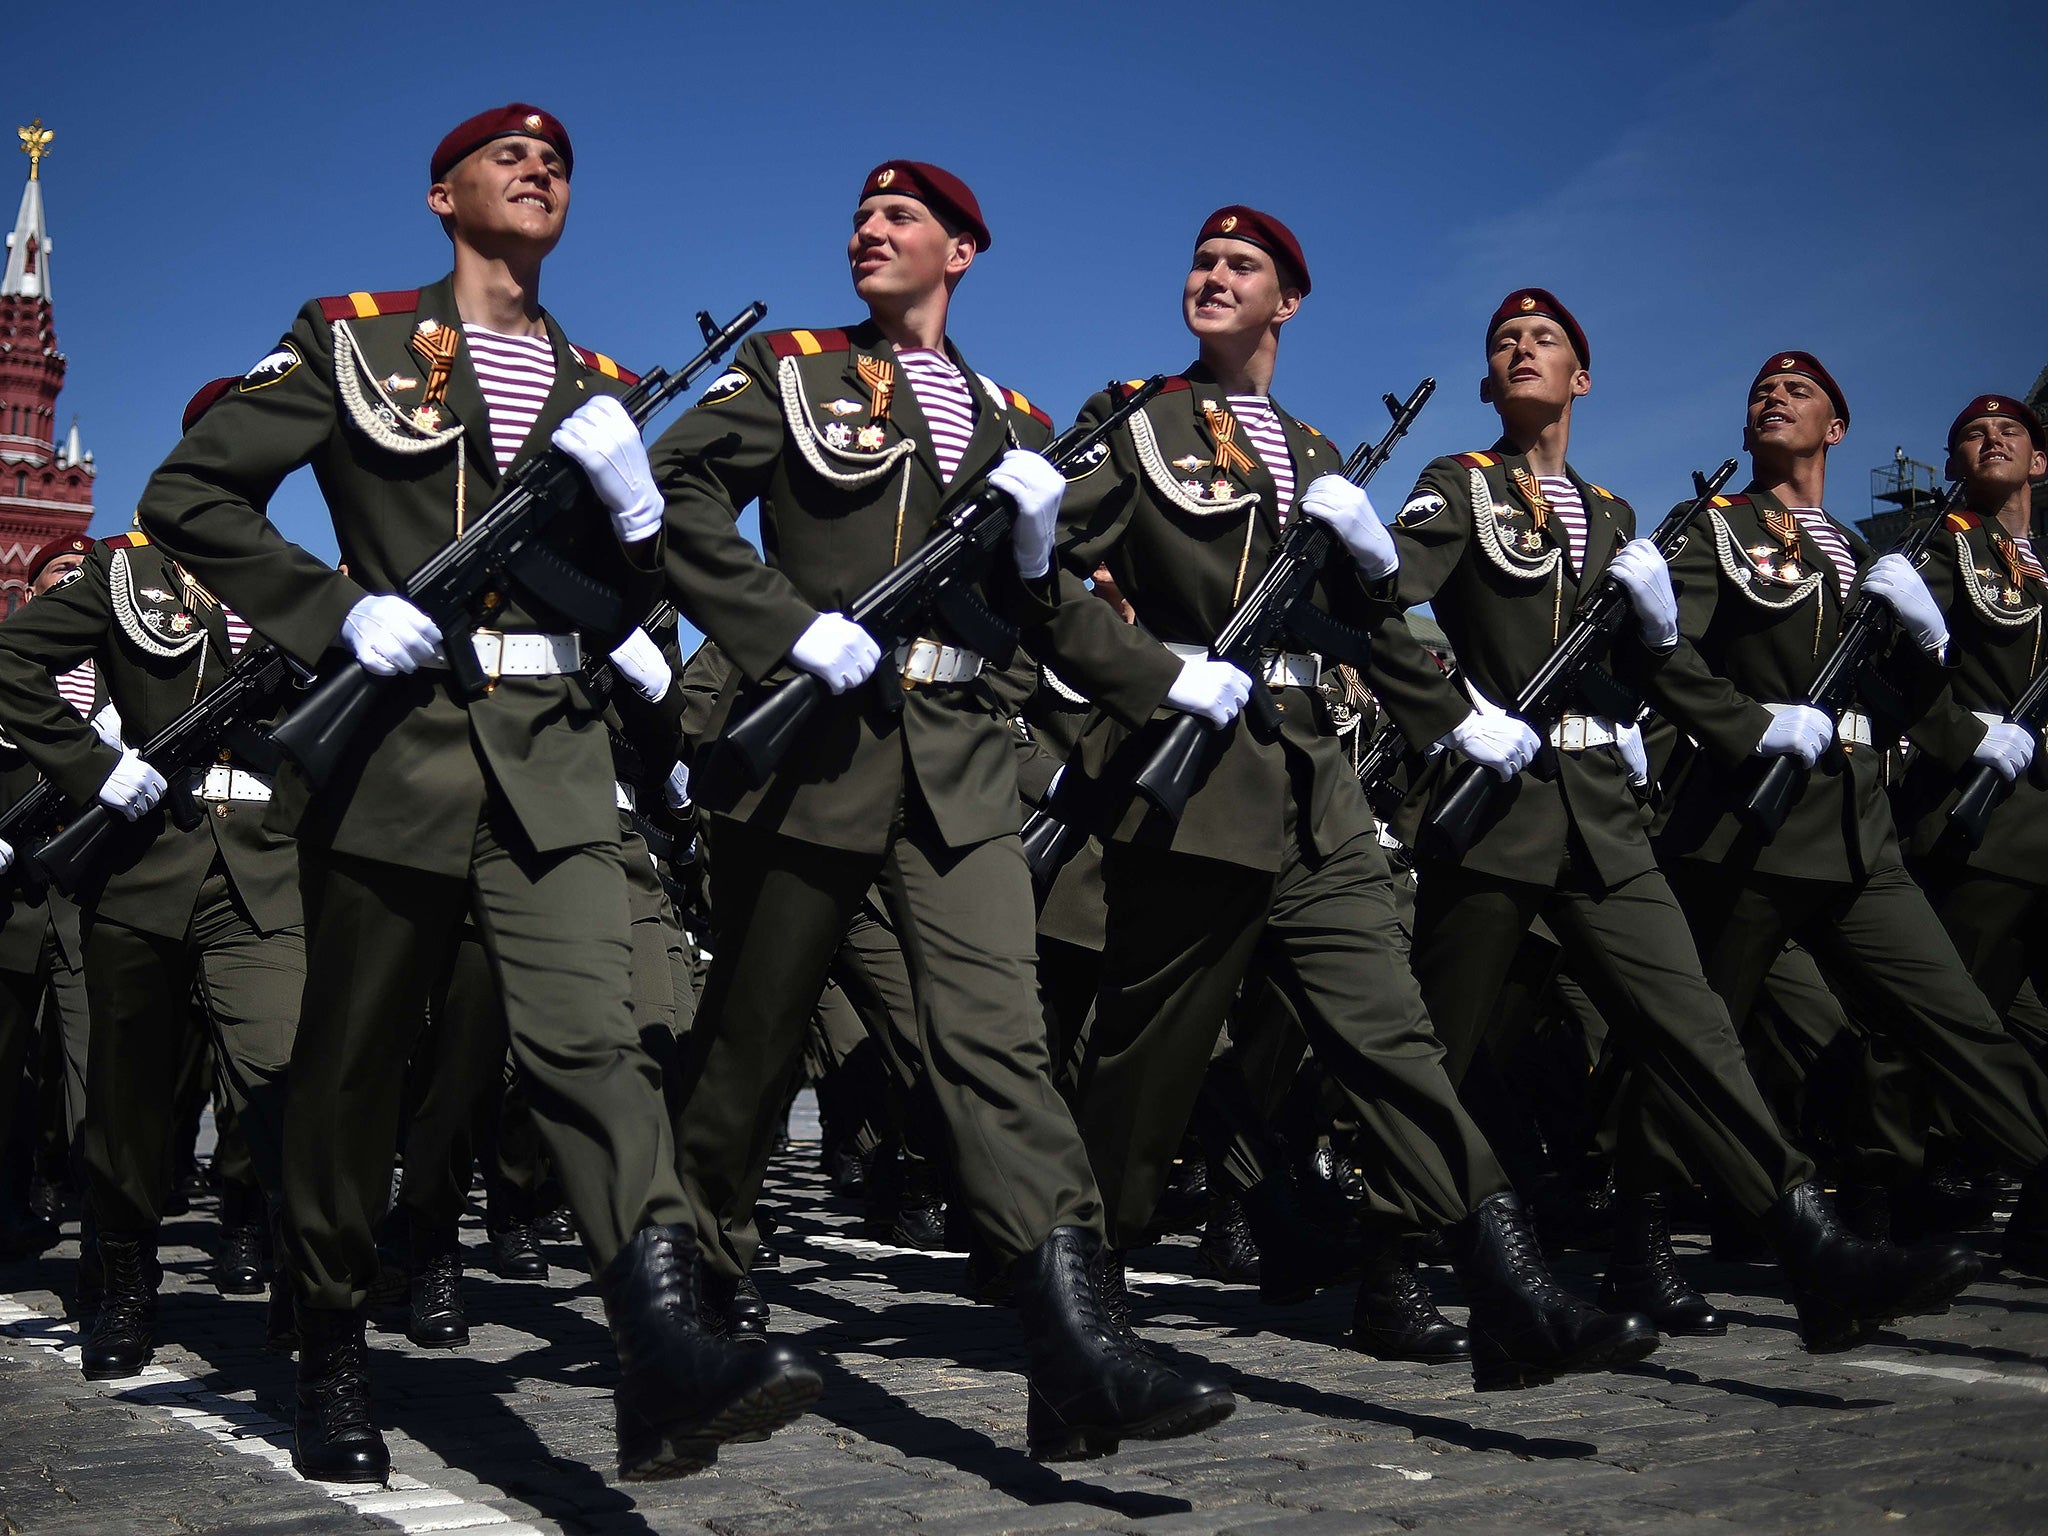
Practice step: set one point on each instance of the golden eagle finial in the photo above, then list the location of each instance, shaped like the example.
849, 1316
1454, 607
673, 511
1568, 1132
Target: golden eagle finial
35, 143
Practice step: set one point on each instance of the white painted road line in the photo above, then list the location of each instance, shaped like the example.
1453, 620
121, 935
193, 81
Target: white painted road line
1955, 1373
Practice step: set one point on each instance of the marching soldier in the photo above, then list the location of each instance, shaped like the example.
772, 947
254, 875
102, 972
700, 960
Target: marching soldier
853, 441
1275, 863
411, 407
1504, 542
1762, 582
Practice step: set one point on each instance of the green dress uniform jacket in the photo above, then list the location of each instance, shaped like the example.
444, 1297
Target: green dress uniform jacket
1995, 644
1755, 633
347, 392
159, 642
1469, 540
848, 484
1186, 536
24, 924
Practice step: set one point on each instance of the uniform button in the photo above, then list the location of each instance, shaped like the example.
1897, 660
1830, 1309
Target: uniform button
220, 809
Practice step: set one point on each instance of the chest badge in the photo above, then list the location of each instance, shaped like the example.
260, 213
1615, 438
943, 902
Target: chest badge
1188, 463
842, 407
837, 434
156, 594
869, 436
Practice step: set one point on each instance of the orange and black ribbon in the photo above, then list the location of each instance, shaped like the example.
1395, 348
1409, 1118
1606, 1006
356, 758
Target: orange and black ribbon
1539, 504
436, 345
2019, 563
880, 377
1784, 528
1223, 427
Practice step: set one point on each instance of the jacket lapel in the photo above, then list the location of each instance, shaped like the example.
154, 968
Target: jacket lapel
465, 398
1601, 532
1206, 394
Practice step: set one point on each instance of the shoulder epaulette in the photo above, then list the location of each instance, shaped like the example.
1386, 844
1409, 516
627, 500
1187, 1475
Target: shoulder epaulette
1311, 431
1125, 388
604, 365
1478, 460
1601, 490
1018, 402
808, 343
1737, 500
367, 306
127, 541
1961, 522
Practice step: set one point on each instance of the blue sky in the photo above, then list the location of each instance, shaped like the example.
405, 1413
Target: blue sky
1703, 184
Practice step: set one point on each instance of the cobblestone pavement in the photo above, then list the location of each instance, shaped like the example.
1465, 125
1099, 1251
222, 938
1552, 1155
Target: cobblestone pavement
1937, 1427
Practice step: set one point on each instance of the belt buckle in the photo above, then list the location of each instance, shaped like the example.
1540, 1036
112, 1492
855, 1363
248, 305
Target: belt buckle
1571, 735
489, 645
522, 654
932, 653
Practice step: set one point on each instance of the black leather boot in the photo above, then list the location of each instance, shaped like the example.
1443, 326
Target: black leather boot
1526, 1328
684, 1391
334, 1440
1092, 1383
515, 1253
2025, 1250
242, 1264
123, 1335
731, 1308
1396, 1318
1845, 1287
434, 1284
920, 1220
1227, 1251
1297, 1257
1866, 1210
1643, 1276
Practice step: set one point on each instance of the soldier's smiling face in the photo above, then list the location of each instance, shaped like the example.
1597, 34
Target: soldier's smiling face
514, 188
1234, 289
1791, 414
1531, 362
1996, 453
900, 250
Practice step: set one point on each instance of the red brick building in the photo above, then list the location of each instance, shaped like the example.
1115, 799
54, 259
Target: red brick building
45, 485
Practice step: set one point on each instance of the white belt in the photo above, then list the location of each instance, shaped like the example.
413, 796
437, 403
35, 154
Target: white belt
224, 783
924, 662
1852, 730
628, 800
1281, 669
1576, 733
526, 654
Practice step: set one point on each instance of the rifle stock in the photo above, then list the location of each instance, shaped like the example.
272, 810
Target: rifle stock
1985, 789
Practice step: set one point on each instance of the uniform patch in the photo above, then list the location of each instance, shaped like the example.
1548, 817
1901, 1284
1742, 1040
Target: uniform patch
1677, 545
726, 386
1420, 509
1088, 462
276, 365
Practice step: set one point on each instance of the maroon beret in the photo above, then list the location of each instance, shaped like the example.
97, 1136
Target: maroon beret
1808, 366
204, 400
54, 551
518, 117
1238, 222
1998, 405
941, 191
1540, 301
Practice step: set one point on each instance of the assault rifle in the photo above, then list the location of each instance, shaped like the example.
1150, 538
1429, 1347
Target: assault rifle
1986, 789
1461, 812
1834, 685
29, 823
1278, 606
227, 718
933, 577
1053, 833
462, 586
1376, 767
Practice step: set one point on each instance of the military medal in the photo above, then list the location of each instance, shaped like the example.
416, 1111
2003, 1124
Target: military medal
394, 382
427, 418
436, 345
879, 374
842, 407
838, 434
1229, 454
1784, 528
1187, 463
1532, 541
156, 594
1219, 490
180, 622
869, 437
2014, 590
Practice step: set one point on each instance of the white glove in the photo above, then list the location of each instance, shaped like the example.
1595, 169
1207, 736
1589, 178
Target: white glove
1495, 739
2007, 747
6, 856
107, 726
1030, 481
601, 437
1628, 740
1641, 573
1892, 580
133, 787
677, 790
1347, 510
389, 635
838, 650
1799, 731
641, 663
1214, 690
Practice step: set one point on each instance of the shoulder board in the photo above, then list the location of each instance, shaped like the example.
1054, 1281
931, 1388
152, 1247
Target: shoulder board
1737, 500
367, 306
604, 365
808, 343
1311, 431
1018, 402
1123, 389
127, 541
1601, 490
1478, 460
1963, 521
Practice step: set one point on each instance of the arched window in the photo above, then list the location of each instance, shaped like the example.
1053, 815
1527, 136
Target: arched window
21, 482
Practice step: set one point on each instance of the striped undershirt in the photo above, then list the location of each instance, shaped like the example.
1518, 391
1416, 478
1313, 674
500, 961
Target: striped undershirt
947, 402
1262, 426
1564, 500
238, 629
78, 686
516, 373
2023, 551
1815, 525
